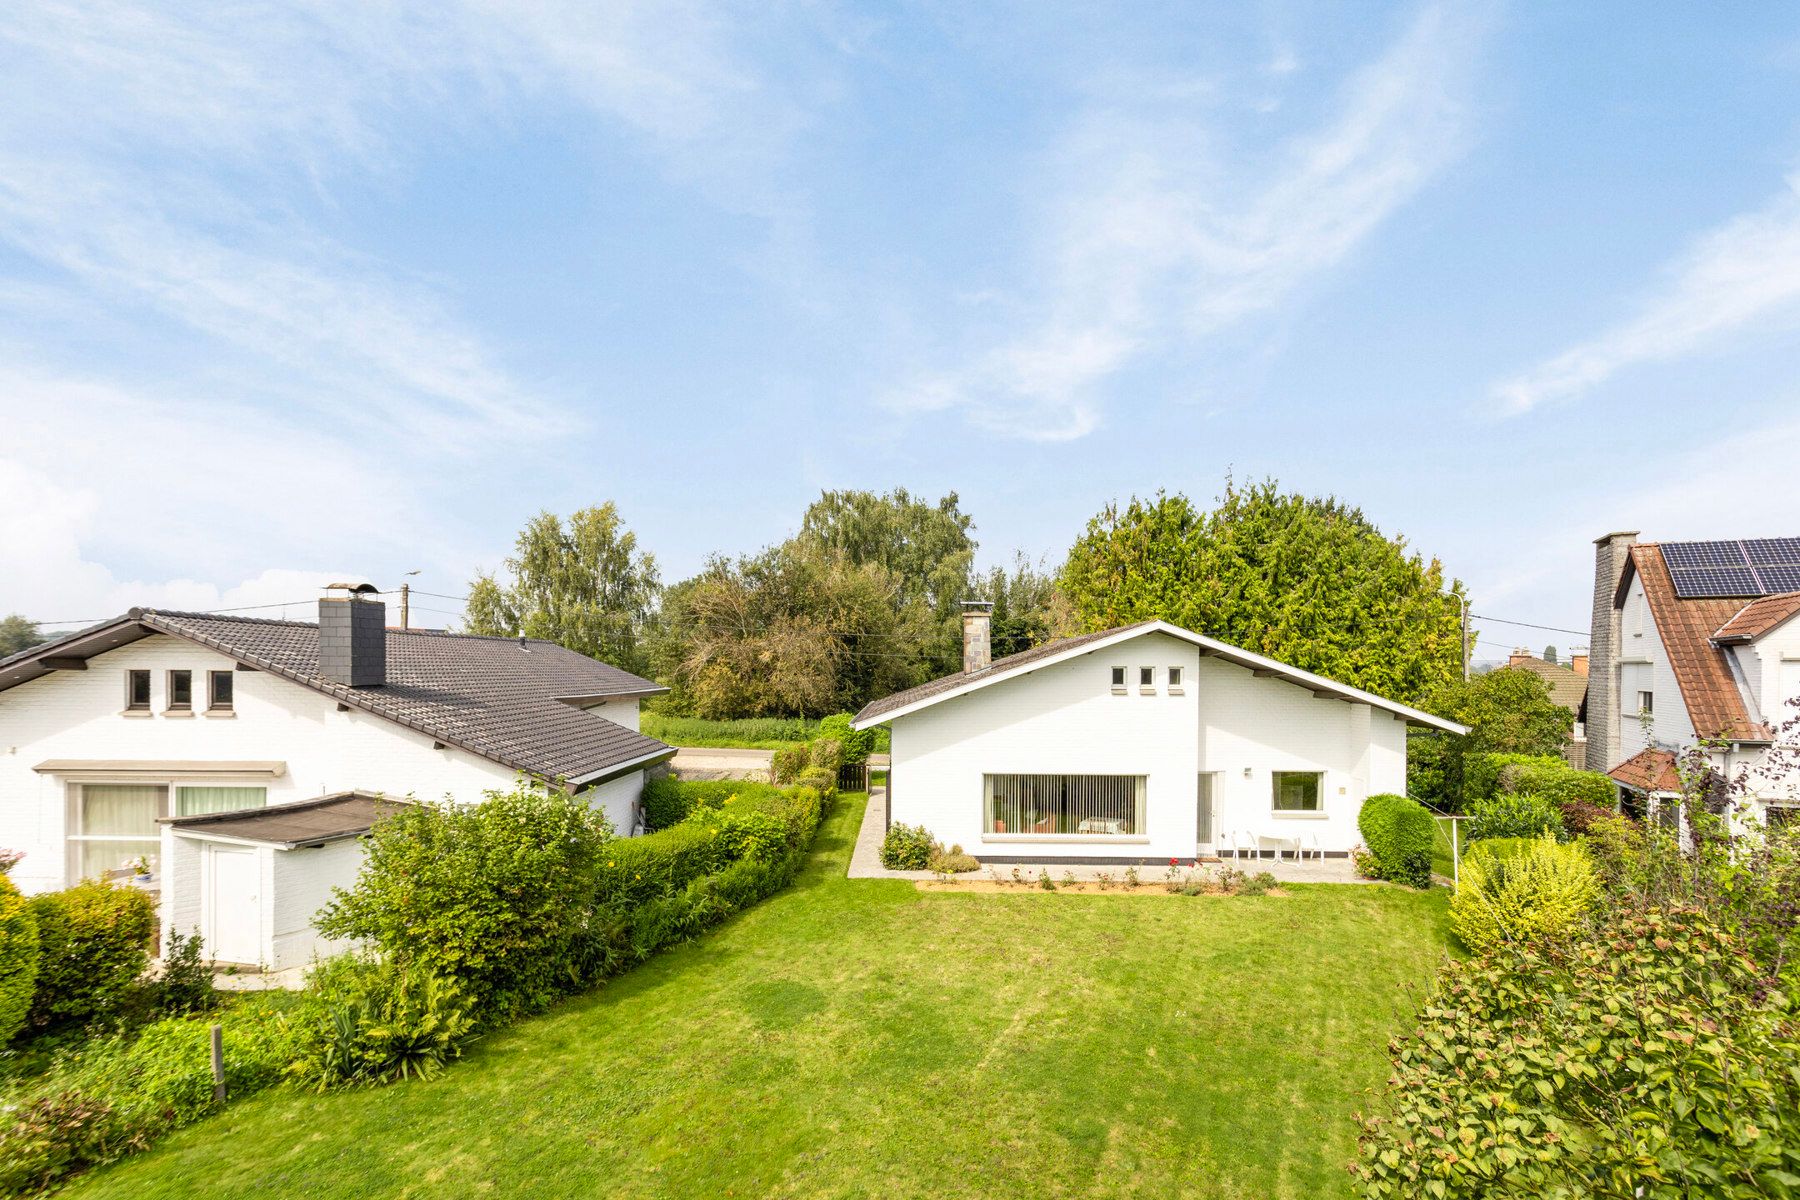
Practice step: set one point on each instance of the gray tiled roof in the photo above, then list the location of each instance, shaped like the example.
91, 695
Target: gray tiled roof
499, 698
1000, 666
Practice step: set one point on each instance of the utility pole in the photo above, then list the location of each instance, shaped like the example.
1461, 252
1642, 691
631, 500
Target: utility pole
406, 613
1465, 631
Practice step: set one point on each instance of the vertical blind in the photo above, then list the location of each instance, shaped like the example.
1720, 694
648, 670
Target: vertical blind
1084, 805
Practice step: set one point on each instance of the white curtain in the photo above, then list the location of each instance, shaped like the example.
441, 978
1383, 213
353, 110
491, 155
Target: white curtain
115, 826
197, 801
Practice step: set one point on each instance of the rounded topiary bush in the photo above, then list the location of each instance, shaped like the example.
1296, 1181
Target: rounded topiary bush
907, 848
1539, 893
18, 959
1399, 833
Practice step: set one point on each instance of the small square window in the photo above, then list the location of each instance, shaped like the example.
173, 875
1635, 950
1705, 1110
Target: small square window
1146, 676
1646, 702
181, 691
137, 690
1174, 677
218, 696
1118, 681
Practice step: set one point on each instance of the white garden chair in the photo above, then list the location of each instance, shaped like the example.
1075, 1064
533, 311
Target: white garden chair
1309, 844
1239, 841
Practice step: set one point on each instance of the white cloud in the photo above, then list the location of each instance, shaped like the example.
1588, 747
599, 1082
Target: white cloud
1745, 272
1151, 240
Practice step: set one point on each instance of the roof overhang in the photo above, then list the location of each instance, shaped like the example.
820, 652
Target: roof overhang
601, 697
71, 651
625, 768
1318, 685
339, 817
159, 769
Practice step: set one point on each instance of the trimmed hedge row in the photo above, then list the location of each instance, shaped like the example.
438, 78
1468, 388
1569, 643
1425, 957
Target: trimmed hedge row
19, 959
1400, 833
1487, 775
93, 944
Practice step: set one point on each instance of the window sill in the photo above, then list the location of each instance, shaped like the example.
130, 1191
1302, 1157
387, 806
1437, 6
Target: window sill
1176, 691
137, 713
1118, 691
1279, 815
178, 713
220, 714
1066, 839
1146, 691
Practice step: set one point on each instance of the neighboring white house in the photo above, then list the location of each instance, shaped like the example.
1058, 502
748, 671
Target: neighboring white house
1138, 745
1696, 645
240, 758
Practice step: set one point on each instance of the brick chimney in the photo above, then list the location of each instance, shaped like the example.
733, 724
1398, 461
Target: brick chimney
1578, 660
1610, 553
353, 635
1519, 655
978, 620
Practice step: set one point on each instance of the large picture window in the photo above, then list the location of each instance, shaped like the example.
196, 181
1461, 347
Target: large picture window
1297, 791
1068, 805
114, 826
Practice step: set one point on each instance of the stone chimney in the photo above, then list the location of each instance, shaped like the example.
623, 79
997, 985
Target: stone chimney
978, 620
1610, 553
353, 635
1578, 660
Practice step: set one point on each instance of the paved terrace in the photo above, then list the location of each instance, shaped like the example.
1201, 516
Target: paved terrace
865, 861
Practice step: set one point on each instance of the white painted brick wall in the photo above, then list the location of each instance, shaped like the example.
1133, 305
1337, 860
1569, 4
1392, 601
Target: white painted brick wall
1644, 666
1064, 719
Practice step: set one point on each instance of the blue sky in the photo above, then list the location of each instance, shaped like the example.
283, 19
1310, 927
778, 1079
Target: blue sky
300, 292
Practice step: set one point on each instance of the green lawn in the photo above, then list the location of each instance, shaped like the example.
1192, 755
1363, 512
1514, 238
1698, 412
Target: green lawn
863, 1039
749, 733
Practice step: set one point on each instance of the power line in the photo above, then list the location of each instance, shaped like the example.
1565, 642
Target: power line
1528, 624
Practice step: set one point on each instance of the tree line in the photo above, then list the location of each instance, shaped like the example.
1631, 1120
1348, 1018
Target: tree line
865, 598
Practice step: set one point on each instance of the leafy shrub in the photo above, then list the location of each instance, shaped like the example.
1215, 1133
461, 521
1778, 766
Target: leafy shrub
664, 802
907, 848
19, 959
186, 984
953, 861
1488, 775
787, 763
493, 897
118, 1093
742, 834
1647, 1058
1400, 833
668, 801
1514, 816
371, 1022
1500, 849
819, 779
1578, 816
1257, 884
858, 744
94, 942
1539, 893
826, 754
641, 869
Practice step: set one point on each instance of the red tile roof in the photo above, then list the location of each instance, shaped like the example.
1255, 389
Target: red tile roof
1714, 704
1758, 617
1649, 771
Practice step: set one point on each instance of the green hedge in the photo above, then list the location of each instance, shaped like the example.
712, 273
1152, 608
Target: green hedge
858, 744
19, 959
1400, 833
1512, 815
94, 942
668, 801
1486, 775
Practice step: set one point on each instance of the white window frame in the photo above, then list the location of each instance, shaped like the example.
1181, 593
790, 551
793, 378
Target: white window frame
1175, 684
1118, 681
74, 811
1646, 701
1146, 681
1141, 816
1296, 814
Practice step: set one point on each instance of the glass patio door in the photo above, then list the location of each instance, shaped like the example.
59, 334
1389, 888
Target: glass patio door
1207, 816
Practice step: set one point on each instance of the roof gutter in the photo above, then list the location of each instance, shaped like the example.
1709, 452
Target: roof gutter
607, 774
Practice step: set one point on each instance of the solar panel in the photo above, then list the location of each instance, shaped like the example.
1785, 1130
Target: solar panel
1773, 551
1784, 578
1703, 582
1688, 555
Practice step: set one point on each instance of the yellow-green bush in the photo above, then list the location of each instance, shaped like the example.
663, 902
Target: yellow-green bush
1523, 897
18, 959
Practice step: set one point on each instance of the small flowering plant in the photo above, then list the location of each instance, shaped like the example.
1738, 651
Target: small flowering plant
10, 859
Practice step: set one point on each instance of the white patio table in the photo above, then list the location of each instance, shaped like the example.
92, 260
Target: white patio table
1278, 844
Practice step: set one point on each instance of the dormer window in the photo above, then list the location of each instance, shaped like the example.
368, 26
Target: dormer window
137, 691
181, 691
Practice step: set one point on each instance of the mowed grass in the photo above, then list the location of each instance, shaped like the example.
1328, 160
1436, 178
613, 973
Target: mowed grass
747, 733
864, 1039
